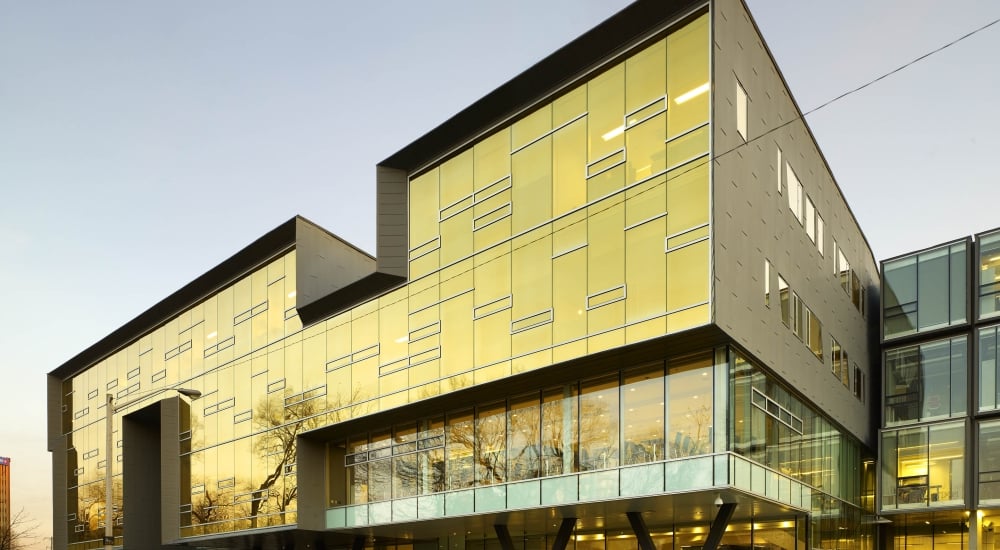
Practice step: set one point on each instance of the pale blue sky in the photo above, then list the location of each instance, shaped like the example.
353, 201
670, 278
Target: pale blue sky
142, 143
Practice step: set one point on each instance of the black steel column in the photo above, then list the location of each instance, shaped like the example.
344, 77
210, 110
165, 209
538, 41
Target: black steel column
641, 531
503, 536
565, 530
719, 526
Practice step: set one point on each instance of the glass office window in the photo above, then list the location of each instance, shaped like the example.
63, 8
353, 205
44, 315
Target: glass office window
599, 413
989, 368
926, 381
524, 433
642, 414
989, 275
924, 291
989, 462
923, 466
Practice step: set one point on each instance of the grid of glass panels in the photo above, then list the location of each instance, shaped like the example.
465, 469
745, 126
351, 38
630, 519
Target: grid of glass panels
925, 291
926, 381
989, 368
989, 275
989, 462
775, 428
923, 466
639, 415
544, 241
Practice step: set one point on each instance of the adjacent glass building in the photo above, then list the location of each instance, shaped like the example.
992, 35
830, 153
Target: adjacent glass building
619, 302
940, 437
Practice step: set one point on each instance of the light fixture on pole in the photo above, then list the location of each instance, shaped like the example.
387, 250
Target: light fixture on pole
109, 413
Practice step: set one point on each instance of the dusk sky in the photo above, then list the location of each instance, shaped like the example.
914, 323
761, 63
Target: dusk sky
143, 143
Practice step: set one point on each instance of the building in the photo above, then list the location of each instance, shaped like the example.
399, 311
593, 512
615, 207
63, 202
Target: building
5, 514
940, 436
620, 300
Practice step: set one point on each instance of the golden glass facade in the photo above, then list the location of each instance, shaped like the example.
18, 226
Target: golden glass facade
581, 227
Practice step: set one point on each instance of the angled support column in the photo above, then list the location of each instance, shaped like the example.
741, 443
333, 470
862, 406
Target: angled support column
719, 526
565, 530
503, 537
359, 543
641, 531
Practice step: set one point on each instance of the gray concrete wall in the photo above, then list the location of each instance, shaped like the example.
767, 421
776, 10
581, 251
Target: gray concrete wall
391, 211
311, 470
57, 447
753, 222
325, 263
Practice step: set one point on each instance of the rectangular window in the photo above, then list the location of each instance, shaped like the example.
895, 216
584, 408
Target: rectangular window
989, 369
989, 275
926, 382
779, 170
835, 358
794, 192
836, 258
798, 316
859, 385
767, 283
819, 233
924, 291
741, 111
815, 336
989, 462
810, 219
785, 301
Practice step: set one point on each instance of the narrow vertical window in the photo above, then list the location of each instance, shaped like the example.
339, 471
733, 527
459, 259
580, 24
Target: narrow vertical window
779, 169
784, 298
741, 111
767, 283
810, 219
836, 256
819, 233
794, 192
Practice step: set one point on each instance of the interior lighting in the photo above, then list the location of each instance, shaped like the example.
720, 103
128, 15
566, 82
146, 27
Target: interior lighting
608, 136
691, 94
291, 294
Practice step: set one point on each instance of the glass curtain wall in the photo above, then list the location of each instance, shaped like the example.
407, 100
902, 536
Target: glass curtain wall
989, 275
926, 381
923, 466
566, 257
925, 291
989, 368
989, 463
639, 415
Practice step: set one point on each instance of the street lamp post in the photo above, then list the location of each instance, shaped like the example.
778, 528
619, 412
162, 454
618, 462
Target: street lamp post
109, 533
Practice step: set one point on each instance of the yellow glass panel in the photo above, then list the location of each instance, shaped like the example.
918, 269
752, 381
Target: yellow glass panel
532, 361
364, 332
425, 264
424, 372
606, 245
456, 334
492, 280
651, 328
393, 331
687, 198
647, 153
687, 76
531, 127
424, 207
687, 237
456, 237
646, 200
606, 183
688, 318
491, 373
569, 233
531, 180
569, 296
364, 376
687, 147
607, 340
531, 279
645, 271
687, 276
569, 167
569, 106
456, 178
457, 279
606, 113
646, 76
492, 158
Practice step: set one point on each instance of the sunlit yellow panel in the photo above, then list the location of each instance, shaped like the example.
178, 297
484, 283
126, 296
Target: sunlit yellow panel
646, 200
687, 198
606, 113
424, 391
393, 331
534, 360
650, 328
424, 207
687, 276
492, 158
646, 76
425, 372
687, 76
394, 382
393, 400
456, 334
606, 182
687, 147
492, 338
491, 373
457, 279
569, 167
569, 106
607, 340
688, 318
364, 378
647, 153
645, 271
530, 340
492, 280
456, 237
606, 245
456, 178
569, 296
428, 263
531, 185
531, 274
531, 127
364, 332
